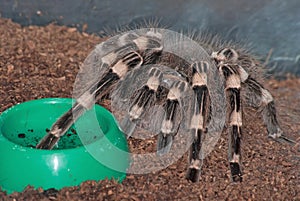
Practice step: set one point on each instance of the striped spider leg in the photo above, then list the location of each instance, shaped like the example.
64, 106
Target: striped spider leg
131, 53
253, 93
261, 99
150, 93
172, 117
241, 88
233, 94
168, 97
200, 112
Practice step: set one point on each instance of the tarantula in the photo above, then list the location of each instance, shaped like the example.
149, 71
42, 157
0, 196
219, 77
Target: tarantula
150, 67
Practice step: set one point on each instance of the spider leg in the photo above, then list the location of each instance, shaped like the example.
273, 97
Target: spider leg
61, 126
233, 90
261, 98
119, 68
142, 100
197, 124
172, 110
129, 51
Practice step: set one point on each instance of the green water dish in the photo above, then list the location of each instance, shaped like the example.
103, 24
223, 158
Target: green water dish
93, 148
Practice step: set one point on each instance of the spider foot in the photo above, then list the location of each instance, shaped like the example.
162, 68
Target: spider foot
236, 174
280, 137
127, 126
47, 142
164, 144
194, 170
193, 174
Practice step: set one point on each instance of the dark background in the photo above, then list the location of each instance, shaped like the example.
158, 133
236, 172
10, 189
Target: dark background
269, 25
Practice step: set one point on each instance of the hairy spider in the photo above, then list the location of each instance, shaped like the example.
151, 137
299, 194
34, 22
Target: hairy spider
187, 83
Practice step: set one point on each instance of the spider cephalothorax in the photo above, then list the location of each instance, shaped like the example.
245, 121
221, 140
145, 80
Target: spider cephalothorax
157, 72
